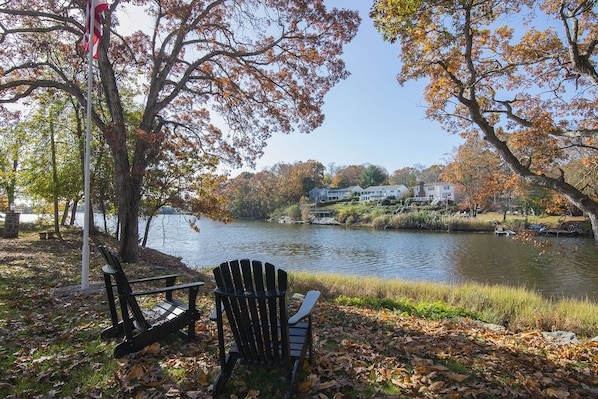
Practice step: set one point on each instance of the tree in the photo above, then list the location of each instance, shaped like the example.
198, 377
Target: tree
47, 158
347, 176
529, 90
296, 180
12, 140
372, 175
408, 176
251, 196
431, 174
331, 170
256, 67
479, 174
182, 180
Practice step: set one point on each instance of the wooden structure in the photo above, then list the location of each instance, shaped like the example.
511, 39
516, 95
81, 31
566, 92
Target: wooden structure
252, 296
142, 328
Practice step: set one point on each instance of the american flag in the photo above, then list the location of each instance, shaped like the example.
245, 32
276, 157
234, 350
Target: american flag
100, 6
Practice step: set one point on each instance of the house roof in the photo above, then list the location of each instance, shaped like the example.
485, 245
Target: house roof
398, 187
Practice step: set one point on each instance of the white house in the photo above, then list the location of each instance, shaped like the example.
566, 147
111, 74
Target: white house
378, 193
434, 193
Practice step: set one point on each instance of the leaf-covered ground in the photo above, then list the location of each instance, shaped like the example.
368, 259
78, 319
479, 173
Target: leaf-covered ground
50, 345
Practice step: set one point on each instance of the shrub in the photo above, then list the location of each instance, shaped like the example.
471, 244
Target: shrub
294, 212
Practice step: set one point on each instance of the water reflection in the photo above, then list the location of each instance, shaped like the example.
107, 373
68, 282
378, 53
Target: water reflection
566, 268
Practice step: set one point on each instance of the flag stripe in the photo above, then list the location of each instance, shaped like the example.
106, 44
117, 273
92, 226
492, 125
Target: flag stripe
101, 6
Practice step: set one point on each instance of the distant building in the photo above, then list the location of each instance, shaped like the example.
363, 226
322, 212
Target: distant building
434, 193
330, 194
378, 193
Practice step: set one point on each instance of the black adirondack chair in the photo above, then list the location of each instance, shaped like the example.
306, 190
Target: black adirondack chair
252, 295
144, 327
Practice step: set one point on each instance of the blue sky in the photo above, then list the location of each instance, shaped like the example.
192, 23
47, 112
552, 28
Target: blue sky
370, 118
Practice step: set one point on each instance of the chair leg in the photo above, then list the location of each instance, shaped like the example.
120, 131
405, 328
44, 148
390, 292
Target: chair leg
113, 331
193, 314
225, 372
292, 379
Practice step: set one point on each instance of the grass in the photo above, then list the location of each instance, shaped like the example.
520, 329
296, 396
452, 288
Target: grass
516, 308
373, 338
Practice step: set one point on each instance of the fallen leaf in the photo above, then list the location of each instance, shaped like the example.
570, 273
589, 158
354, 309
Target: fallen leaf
556, 393
436, 386
328, 384
457, 377
151, 349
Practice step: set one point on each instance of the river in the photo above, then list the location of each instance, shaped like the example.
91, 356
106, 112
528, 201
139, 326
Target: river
567, 267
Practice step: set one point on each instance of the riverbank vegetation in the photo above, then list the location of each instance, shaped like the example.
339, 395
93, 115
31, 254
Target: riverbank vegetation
518, 309
373, 338
280, 193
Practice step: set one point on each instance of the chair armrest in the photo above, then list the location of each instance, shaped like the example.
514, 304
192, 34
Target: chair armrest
168, 289
143, 280
306, 306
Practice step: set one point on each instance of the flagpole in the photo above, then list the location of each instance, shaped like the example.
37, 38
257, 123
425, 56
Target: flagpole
86, 190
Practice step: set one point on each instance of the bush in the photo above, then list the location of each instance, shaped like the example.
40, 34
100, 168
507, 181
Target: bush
349, 212
381, 222
294, 212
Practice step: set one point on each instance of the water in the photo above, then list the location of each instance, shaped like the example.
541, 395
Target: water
569, 267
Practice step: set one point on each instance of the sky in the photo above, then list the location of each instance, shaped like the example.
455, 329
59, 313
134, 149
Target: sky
369, 117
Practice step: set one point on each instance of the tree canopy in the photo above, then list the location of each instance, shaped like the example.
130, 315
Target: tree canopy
225, 74
519, 73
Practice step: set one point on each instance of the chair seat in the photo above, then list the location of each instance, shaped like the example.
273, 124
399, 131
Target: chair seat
298, 336
164, 312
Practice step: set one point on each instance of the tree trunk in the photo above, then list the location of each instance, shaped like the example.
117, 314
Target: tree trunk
128, 211
74, 212
65, 213
128, 175
146, 230
593, 216
54, 178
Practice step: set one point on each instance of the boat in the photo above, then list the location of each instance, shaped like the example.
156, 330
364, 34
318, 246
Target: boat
504, 232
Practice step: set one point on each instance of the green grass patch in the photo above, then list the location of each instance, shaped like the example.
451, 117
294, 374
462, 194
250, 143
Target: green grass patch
432, 311
454, 366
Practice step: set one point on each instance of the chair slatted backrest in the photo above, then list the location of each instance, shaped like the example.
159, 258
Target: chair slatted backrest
253, 295
127, 301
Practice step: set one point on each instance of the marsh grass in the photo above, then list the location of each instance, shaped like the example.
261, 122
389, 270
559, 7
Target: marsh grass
517, 309
434, 221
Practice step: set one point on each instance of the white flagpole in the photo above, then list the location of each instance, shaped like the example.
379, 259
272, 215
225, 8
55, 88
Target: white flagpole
86, 194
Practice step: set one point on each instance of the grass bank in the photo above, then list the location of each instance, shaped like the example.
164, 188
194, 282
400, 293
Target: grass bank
373, 339
438, 219
517, 309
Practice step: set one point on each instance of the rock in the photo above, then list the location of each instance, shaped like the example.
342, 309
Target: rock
481, 324
325, 221
561, 337
298, 296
